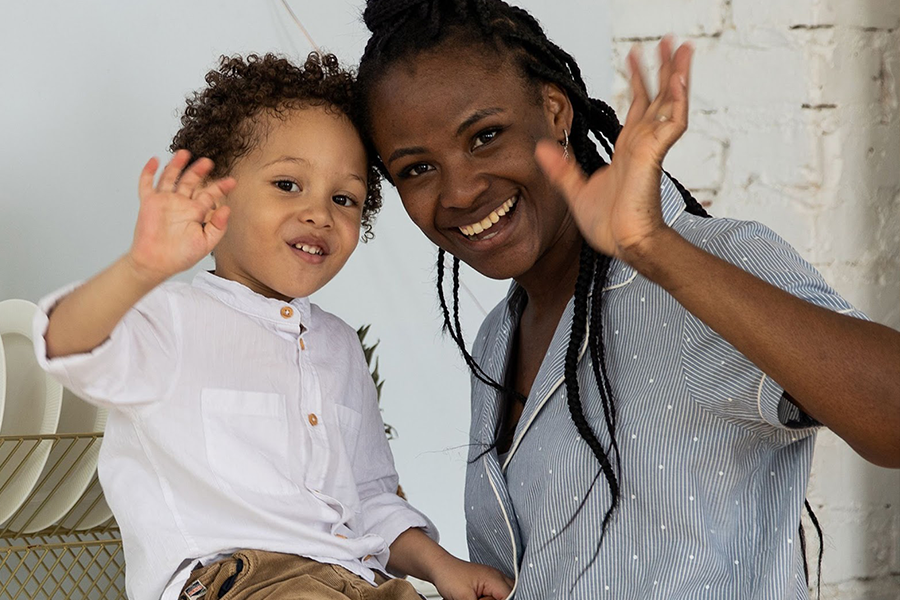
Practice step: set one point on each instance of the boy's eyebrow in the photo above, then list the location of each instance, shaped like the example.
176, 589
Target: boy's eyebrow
471, 120
286, 158
297, 159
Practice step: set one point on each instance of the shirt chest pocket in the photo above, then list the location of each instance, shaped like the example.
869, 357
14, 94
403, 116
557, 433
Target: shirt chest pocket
247, 439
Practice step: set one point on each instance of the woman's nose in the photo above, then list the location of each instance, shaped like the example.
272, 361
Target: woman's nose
461, 186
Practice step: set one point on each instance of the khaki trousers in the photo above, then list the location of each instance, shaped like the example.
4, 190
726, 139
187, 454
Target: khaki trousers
258, 575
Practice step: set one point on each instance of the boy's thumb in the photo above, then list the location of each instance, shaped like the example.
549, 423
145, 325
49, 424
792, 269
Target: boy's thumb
216, 225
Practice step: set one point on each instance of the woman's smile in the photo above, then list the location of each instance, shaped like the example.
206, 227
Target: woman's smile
460, 148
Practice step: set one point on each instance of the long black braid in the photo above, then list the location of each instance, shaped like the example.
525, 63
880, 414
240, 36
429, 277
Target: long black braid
403, 28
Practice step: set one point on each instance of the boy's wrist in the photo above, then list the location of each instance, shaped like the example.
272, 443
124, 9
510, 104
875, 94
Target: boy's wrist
143, 276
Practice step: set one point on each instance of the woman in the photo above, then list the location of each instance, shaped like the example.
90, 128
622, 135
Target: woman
645, 400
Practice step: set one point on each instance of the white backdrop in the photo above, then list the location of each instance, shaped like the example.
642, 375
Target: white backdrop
90, 89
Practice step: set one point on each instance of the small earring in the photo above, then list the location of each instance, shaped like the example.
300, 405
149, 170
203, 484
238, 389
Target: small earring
565, 144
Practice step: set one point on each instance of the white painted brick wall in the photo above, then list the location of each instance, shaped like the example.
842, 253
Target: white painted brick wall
795, 122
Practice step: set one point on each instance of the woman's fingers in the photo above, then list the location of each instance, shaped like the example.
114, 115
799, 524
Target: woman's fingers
664, 50
566, 175
640, 97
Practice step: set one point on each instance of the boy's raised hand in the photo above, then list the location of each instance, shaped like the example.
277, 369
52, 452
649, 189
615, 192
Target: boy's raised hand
181, 219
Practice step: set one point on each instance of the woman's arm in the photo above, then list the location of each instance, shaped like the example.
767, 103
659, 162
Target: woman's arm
842, 371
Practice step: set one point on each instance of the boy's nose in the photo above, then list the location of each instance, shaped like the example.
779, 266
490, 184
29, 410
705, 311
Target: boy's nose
316, 212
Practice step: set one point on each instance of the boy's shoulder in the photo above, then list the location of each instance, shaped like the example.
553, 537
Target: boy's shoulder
323, 320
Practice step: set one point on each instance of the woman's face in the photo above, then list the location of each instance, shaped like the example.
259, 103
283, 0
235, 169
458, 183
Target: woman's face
457, 133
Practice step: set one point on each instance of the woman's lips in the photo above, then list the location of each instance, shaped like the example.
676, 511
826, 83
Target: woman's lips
498, 231
477, 230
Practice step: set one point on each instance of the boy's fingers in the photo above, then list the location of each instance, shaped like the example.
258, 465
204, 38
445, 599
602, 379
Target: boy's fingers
192, 177
222, 187
563, 174
215, 227
172, 171
145, 183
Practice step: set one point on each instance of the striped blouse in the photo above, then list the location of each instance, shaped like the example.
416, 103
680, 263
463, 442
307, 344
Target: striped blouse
715, 461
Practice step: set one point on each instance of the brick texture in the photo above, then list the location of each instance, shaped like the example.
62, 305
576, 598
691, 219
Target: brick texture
795, 122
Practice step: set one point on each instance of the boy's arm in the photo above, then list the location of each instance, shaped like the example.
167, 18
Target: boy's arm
416, 554
178, 223
86, 317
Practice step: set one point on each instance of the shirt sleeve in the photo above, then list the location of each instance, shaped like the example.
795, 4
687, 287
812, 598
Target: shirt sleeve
717, 375
384, 513
136, 365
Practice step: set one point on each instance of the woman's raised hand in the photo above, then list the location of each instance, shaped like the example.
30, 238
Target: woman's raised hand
181, 219
618, 208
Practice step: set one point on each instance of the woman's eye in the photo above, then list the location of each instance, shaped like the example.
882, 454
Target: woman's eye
342, 200
287, 186
415, 170
484, 137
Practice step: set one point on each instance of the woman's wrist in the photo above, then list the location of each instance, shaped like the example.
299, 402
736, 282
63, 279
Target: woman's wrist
658, 255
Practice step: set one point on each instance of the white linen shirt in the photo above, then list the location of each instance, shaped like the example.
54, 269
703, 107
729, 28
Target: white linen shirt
236, 421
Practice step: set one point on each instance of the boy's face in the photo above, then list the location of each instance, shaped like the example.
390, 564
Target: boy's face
297, 207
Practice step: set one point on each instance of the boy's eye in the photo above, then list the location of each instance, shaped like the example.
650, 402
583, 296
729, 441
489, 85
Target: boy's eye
342, 200
485, 137
415, 170
286, 185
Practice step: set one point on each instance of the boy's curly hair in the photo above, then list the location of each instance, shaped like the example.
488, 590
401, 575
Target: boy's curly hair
222, 121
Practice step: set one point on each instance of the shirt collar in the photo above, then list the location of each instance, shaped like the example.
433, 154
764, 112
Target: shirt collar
295, 313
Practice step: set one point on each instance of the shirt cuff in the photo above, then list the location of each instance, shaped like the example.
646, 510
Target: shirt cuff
388, 515
777, 409
84, 373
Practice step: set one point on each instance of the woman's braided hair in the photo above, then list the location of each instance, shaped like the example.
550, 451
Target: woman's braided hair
403, 28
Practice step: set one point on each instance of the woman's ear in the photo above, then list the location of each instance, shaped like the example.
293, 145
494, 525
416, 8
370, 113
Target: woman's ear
558, 109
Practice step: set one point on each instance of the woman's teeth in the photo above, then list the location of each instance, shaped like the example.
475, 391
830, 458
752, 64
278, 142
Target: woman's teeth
309, 249
488, 221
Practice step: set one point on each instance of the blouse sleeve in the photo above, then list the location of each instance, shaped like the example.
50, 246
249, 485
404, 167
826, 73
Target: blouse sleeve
717, 375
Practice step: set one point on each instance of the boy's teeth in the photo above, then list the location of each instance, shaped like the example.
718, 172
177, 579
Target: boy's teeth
488, 221
308, 249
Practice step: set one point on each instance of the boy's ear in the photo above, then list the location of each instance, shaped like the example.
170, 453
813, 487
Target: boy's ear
558, 109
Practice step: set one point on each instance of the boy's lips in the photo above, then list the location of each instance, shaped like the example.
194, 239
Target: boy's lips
310, 248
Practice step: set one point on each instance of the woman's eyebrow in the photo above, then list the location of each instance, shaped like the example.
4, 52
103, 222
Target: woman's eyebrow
401, 152
477, 116
471, 120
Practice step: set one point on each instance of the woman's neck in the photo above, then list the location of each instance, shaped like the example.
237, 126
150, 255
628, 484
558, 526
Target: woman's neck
550, 282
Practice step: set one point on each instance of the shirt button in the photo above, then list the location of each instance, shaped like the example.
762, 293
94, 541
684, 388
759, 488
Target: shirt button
313, 419
287, 312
